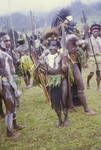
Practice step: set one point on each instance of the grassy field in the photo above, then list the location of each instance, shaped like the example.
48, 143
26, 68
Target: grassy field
83, 132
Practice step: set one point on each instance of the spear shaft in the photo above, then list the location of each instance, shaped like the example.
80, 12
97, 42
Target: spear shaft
41, 76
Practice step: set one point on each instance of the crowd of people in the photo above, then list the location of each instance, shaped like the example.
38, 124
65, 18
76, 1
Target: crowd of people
59, 55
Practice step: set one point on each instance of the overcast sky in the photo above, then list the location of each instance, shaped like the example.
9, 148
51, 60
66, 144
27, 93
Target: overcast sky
39, 5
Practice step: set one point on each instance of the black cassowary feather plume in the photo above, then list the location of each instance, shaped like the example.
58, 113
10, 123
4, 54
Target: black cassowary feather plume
2, 34
60, 17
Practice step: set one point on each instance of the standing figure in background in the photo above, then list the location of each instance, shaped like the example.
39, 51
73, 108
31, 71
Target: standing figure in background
9, 91
95, 54
6, 47
25, 61
38, 45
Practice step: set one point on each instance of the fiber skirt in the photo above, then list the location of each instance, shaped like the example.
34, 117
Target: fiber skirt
55, 94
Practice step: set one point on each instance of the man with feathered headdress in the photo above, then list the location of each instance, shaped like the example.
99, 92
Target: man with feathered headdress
56, 83
64, 16
63, 21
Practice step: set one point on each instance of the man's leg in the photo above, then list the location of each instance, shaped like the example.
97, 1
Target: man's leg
59, 123
89, 78
80, 87
15, 125
55, 97
65, 101
98, 78
8, 96
29, 76
2, 115
26, 79
9, 118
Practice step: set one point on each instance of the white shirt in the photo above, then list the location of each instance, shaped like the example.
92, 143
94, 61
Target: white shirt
96, 43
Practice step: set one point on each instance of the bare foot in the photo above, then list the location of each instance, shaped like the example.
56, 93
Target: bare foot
58, 124
73, 109
88, 87
19, 127
65, 123
14, 136
90, 112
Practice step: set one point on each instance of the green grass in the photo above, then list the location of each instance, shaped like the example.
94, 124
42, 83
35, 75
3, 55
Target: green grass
83, 132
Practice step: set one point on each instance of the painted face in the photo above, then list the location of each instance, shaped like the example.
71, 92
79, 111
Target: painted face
66, 22
53, 37
7, 42
96, 33
53, 51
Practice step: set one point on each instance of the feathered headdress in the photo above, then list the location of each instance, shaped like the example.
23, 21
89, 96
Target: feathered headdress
61, 16
50, 32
